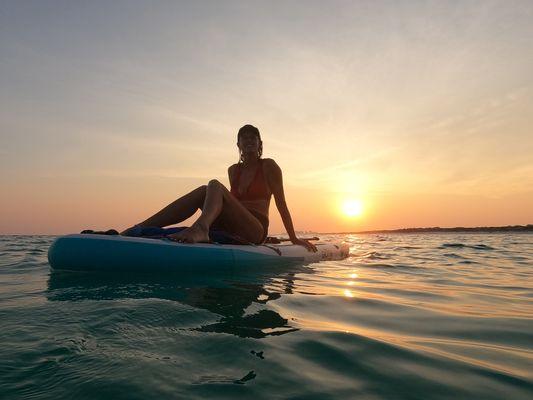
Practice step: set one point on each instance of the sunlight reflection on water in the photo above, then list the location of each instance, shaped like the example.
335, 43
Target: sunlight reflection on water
405, 316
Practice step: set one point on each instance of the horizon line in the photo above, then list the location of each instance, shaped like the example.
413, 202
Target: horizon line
502, 228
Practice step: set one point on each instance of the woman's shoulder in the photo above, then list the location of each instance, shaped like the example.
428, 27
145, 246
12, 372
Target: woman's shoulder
232, 167
270, 166
269, 162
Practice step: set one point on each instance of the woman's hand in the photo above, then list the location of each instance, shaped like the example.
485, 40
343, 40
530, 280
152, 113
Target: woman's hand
305, 243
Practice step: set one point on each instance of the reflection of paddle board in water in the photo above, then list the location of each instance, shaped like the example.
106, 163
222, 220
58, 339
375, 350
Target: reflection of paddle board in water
119, 253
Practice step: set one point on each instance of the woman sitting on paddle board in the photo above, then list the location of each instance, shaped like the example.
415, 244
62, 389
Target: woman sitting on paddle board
243, 210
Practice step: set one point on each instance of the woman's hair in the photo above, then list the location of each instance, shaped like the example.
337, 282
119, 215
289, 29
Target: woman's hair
255, 131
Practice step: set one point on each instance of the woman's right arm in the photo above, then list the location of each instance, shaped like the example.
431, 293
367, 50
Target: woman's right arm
231, 173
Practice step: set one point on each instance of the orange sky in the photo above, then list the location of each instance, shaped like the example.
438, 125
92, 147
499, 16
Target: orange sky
423, 113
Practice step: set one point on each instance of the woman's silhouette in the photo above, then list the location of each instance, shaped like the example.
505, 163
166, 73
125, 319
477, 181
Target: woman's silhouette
243, 211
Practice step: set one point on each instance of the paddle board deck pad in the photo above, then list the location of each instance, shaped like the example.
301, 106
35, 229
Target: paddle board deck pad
81, 252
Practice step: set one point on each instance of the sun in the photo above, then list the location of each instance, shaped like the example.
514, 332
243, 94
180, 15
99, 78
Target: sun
352, 208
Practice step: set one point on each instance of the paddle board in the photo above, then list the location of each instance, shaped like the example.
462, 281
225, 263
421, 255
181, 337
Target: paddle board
83, 252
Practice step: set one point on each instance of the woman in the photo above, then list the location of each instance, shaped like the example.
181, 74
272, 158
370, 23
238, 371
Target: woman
243, 211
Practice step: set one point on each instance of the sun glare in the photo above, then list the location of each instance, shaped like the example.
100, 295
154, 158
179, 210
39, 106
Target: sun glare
352, 208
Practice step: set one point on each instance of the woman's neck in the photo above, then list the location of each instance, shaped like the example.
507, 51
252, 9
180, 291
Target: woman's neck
250, 161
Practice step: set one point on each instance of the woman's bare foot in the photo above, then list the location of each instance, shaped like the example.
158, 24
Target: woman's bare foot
194, 234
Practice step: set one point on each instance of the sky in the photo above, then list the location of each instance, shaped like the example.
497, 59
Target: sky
420, 110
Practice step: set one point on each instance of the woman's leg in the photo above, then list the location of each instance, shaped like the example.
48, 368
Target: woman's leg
177, 211
220, 203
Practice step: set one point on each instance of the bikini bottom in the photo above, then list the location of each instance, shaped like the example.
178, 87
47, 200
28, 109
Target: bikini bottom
264, 221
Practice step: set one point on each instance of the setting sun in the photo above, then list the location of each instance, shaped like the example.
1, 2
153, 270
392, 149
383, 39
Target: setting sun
352, 208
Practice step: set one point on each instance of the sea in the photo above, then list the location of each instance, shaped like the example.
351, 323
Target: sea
406, 316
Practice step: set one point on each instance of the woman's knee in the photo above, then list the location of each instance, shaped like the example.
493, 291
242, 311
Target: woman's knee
215, 184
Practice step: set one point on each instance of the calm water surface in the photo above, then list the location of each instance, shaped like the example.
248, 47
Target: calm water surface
426, 316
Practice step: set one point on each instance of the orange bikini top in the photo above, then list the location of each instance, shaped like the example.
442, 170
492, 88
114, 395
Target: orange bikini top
257, 189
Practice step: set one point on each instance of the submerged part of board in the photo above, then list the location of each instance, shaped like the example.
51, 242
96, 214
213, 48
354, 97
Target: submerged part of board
129, 254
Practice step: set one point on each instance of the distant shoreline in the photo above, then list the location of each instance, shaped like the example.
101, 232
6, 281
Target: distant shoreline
436, 229
482, 229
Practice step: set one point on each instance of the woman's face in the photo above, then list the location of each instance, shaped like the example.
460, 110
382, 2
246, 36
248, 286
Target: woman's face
248, 143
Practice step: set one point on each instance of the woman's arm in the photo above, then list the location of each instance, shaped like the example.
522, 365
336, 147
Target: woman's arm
231, 172
275, 181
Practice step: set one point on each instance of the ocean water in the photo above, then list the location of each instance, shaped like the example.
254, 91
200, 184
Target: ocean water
406, 316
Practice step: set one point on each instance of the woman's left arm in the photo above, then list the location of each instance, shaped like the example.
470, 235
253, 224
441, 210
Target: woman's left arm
275, 181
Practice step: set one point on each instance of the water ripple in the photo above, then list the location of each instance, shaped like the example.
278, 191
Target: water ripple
414, 316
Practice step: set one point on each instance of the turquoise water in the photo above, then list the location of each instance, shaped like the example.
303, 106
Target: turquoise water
426, 316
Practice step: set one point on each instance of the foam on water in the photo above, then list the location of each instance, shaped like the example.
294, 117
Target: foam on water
410, 316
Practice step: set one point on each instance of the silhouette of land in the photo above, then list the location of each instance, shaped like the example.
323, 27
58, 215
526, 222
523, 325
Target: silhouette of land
436, 229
